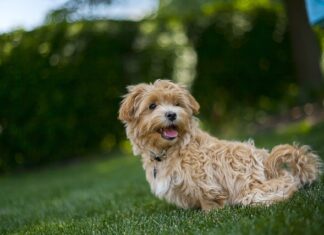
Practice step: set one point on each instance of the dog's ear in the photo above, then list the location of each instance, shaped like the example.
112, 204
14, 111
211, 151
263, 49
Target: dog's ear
130, 102
193, 104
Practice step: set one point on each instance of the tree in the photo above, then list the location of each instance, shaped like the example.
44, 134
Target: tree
305, 48
65, 11
306, 52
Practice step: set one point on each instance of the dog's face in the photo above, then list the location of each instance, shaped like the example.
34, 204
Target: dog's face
159, 114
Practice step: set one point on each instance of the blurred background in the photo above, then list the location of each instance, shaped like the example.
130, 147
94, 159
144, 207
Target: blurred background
253, 65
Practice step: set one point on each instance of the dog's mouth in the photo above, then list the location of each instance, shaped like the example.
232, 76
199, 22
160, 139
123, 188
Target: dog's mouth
169, 132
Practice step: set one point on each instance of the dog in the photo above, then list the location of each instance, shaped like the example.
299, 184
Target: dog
189, 168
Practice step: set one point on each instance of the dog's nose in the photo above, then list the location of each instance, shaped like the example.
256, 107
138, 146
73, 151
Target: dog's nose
171, 116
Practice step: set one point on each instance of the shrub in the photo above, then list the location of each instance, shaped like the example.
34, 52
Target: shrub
244, 62
60, 87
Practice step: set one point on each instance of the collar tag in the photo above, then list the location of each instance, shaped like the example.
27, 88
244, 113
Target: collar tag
154, 172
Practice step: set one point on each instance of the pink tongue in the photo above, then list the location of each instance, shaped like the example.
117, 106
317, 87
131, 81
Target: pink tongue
170, 133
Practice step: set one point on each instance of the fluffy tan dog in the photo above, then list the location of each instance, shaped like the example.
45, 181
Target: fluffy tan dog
188, 167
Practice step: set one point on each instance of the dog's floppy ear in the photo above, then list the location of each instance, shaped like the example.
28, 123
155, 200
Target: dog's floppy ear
130, 102
193, 104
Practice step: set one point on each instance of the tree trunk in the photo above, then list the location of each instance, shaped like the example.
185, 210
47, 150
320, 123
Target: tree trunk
306, 52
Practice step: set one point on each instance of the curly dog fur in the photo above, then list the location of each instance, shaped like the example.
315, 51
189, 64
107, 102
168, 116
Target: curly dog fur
189, 168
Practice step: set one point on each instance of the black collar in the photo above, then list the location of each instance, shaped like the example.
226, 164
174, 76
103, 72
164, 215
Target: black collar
158, 157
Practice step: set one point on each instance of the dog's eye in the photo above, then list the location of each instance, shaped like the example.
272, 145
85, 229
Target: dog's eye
152, 106
177, 104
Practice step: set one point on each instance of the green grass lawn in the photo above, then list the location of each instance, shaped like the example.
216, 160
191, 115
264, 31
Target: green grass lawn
111, 196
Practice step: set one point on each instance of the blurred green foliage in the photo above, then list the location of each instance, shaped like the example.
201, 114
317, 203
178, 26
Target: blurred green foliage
244, 61
60, 85
60, 88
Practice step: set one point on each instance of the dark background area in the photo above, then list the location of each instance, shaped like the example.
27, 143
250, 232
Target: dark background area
61, 84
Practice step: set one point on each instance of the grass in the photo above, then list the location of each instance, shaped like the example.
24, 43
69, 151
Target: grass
111, 196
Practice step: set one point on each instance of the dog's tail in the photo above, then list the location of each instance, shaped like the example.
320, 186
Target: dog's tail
299, 161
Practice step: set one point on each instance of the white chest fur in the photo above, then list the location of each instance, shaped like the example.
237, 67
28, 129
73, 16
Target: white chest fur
159, 180
160, 186
167, 182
